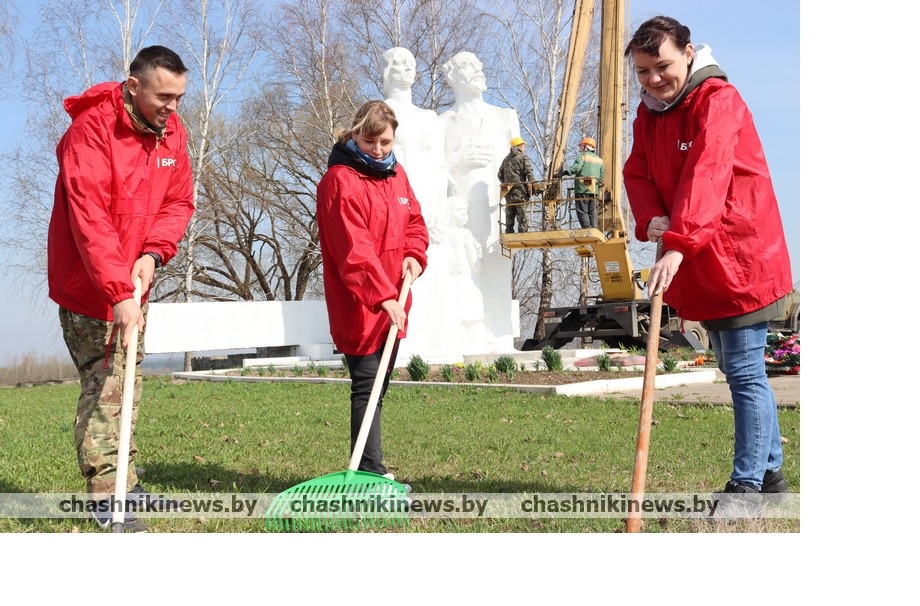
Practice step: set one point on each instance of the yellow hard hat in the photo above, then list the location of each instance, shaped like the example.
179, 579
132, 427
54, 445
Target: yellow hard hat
517, 141
588, 141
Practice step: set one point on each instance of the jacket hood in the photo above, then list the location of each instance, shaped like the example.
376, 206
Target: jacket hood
100, 94
704, 66
342, 156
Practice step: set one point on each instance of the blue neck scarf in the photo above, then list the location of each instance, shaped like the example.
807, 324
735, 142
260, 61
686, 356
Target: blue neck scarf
383, 165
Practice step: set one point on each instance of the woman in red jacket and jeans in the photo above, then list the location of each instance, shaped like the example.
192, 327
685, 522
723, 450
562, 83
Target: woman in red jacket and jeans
372, 237
698, 183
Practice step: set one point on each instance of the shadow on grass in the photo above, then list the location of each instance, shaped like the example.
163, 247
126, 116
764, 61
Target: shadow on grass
206, 477
430, 484
8, 487
210, 478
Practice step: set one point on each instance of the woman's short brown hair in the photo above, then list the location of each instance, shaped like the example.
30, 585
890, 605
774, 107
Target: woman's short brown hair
371, 119
654, 32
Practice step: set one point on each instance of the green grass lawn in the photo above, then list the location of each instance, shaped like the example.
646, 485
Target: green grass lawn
204, 437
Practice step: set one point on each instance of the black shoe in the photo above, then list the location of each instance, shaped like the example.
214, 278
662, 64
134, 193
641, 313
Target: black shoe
737, 500
737, 488
103, 516
141, 497
774, 483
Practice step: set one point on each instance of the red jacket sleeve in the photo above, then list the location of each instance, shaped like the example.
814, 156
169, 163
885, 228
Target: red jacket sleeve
707, 173
644, 197
417, 233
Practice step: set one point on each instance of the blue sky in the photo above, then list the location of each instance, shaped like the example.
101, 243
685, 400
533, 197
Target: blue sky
757, 44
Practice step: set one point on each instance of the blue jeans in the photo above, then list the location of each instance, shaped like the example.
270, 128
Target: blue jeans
740, 354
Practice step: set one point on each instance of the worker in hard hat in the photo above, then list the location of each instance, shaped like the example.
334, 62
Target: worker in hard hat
588, 164
516, 168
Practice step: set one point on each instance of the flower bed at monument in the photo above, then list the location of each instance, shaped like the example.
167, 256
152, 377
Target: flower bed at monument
783, 354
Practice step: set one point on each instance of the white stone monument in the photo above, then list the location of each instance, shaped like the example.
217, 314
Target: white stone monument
419, 147
476, 139
465, 277
419, 141
462, 304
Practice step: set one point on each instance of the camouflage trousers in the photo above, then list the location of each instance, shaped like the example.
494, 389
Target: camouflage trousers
515, 209
100, 360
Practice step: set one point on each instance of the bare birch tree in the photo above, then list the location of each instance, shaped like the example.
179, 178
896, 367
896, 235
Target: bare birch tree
313, 91
72, 50
9, 21
213, 37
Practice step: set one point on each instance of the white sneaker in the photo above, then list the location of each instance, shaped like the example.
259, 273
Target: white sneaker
390, 476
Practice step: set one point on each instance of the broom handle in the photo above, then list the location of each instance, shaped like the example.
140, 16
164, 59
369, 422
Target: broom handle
361, 442
634, 518
127, 410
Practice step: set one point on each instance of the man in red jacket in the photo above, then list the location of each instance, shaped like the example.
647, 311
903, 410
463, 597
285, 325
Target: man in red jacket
122, 201
698, 184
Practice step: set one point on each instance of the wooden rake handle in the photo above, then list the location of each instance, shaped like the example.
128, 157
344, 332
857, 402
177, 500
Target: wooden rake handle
361, 441
634, 517
127, 410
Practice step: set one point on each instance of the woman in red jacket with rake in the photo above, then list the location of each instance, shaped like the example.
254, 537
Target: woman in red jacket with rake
698, 184
372, 237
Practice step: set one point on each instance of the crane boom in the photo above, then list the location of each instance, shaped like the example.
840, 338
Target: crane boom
582, 18
614, 265
612, 108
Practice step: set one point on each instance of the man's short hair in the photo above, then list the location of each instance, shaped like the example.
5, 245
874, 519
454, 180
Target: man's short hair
153, 57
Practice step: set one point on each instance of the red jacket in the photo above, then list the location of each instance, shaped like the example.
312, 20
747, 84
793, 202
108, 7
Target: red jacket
702, 164
369, 221
119, 193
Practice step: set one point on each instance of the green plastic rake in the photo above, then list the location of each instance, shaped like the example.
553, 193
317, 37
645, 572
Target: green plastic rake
339, 501
351, 498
